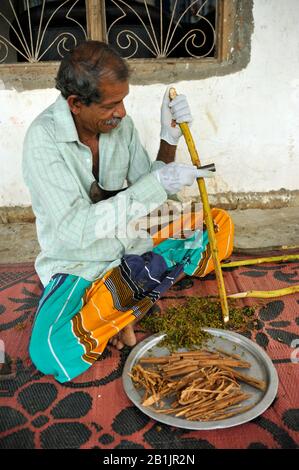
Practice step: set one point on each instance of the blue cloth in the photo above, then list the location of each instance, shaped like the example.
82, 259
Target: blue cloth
149, 274
186, 252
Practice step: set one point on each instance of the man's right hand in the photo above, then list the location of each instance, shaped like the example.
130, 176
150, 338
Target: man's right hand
97, 194
174, 176
173, 112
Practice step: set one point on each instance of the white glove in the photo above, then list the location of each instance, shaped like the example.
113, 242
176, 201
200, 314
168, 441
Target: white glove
176, 109
174, 176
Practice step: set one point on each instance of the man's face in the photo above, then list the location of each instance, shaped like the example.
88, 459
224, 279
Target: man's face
105, 116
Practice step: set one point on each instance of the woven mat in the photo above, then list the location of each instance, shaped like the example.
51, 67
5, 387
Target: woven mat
93, 411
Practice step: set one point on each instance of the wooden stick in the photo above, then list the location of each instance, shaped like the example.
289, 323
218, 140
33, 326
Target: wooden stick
270, 259
207, 215
234, 356
265, 294
154, 360
260, 384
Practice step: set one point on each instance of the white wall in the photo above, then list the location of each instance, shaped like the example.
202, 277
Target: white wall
247, 122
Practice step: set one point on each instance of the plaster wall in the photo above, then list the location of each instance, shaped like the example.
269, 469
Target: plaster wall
247, 122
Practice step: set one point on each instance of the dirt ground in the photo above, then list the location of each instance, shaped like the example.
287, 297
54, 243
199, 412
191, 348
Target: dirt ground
255, 230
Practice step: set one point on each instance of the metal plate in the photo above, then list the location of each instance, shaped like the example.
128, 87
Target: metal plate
261, 367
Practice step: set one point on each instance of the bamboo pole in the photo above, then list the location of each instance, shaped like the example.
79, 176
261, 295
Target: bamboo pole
256, 251
207, 215
259, 260
264, 294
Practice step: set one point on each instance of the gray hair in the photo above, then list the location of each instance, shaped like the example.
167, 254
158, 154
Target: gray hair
81, 71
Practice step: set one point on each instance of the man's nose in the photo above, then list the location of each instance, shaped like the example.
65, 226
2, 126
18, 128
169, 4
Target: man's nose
120, 110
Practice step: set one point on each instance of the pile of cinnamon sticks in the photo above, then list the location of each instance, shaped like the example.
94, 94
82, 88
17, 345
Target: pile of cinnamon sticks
204, 384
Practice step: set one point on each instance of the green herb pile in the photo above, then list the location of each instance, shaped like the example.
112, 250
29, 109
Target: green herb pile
183, 323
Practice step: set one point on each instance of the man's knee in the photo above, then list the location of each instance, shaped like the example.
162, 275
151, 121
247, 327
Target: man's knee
40, 353
36, 350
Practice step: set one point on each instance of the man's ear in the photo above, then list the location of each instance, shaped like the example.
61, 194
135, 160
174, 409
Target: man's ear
75, 104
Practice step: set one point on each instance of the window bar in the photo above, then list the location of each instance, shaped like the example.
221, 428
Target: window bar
96, 20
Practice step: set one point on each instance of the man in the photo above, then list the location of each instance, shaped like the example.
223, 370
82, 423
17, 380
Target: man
78, 156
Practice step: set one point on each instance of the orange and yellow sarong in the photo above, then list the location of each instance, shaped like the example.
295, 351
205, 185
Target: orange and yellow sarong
76, 318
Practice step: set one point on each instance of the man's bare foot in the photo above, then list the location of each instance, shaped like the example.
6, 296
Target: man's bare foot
126, 337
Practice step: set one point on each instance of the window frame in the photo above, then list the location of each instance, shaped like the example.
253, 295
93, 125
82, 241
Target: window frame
231, 32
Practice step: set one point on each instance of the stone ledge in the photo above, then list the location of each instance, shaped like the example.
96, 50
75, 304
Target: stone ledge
256, 200
229, 201
16, 214
251, 200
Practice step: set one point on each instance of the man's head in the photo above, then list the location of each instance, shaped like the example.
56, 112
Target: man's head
93, 78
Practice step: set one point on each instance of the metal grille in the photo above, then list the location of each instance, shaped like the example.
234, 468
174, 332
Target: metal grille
40, 30
162, 28
45, 30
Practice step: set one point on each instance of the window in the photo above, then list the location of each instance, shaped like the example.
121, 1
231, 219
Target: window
160, 38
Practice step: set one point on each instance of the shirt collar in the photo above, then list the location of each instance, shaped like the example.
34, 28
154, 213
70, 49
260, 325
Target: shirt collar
65, 128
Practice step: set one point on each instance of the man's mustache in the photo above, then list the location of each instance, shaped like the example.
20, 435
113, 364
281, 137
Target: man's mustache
113, 122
